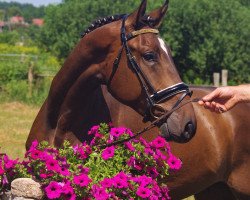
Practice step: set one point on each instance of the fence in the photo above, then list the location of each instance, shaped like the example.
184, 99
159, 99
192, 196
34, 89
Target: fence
24, 77
224, 78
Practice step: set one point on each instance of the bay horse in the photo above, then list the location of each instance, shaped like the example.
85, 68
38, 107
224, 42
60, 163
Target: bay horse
121, 71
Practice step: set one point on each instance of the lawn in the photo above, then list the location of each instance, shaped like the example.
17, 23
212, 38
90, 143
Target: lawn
15, 122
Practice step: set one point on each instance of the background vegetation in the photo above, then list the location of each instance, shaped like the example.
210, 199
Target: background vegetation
28, 11
205, 36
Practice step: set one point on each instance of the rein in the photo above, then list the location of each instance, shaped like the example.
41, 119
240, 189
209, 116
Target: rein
153, 124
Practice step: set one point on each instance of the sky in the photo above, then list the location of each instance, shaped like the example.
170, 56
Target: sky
35, 2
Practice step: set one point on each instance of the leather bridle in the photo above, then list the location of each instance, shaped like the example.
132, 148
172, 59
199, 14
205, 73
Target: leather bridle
153, 97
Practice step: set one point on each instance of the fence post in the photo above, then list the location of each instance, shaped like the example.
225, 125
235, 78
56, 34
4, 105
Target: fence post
22, 58
224, 75
30, 78
216, 77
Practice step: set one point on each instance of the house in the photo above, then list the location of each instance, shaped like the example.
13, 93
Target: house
17, 20
38, 21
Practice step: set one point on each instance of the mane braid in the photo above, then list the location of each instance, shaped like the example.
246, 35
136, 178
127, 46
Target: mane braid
100, 22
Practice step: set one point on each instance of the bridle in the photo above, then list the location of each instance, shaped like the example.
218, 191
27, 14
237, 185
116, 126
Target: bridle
153, 97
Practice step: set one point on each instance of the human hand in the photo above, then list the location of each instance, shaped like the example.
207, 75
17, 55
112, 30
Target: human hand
222, 99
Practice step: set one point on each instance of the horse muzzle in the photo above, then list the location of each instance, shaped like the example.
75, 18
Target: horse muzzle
185, 136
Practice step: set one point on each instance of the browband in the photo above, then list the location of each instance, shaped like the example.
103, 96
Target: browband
141, 31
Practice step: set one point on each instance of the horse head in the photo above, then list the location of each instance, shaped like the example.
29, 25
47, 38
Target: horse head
139, 71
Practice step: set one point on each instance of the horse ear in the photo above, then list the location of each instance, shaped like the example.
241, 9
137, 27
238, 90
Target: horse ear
136, 17
158, 14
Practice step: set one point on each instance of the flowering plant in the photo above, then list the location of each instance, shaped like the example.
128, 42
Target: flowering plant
132, 170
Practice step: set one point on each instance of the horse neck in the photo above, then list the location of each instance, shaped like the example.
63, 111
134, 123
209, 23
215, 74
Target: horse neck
77, 79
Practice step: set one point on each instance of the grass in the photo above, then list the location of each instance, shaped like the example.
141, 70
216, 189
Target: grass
15, 122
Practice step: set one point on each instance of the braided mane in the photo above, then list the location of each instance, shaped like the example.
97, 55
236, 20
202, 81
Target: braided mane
100, 22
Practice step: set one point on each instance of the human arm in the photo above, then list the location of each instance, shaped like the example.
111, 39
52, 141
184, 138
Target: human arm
223, 99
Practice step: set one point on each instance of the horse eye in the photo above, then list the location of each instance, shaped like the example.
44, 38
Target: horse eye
150, 56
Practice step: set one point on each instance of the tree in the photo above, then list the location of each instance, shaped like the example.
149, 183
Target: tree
205, 35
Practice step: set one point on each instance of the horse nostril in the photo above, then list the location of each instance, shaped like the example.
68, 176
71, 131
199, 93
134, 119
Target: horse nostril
164, 131
189, 130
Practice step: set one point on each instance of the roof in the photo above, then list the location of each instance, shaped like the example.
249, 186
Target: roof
38, 21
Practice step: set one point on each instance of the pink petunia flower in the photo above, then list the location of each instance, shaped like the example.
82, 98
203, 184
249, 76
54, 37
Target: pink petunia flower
174, 162
165, 192
159, 155
44, 176
33, 146
68, 191
70, 196
152, 171
159, 142
53, 165
120, 183
109, 152
8, 163
138, 165
1, 170
99, 193
93, 130
122, 175
83, 170
64, 171
82, 180
88, 149
80, 151
46, 156
106, 183
53, 190
36, 154
143, 192
154, 197
131, 161
129, 146
144, 180
129, 132
144, 142
117, 132
156, 190
149, 151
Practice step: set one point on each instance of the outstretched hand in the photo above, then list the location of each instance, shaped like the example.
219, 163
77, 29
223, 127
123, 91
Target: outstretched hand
223, 99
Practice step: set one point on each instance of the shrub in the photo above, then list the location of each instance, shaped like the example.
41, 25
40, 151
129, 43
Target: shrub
15, 62
132, 170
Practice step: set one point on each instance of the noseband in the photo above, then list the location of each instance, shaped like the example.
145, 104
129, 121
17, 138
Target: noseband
153, 97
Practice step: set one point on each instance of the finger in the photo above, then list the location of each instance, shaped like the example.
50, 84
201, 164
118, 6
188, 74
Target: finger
220, 109
213, 105
211, 95
201, 102
216, 109
207, 104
